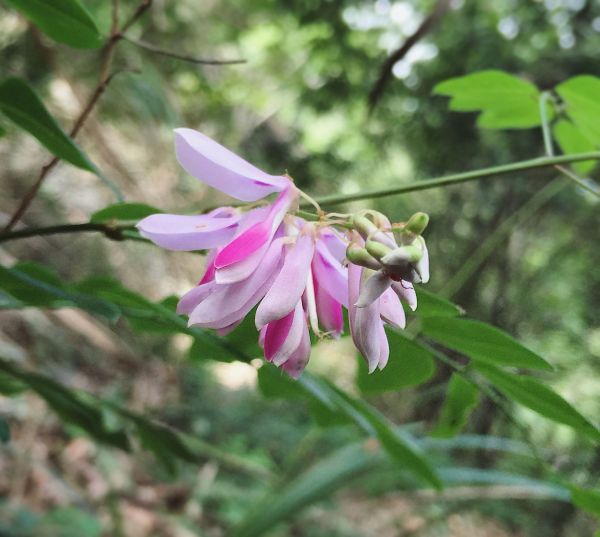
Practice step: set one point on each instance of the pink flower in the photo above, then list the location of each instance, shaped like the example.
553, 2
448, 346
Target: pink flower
295, 271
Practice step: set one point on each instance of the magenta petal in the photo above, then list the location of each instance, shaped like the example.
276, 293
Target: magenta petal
178, 232
289, 284
222, 169
244, 245
281, 353
276, 333
391, 309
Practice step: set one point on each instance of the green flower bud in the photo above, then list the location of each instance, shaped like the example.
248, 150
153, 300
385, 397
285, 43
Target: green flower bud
359, 256
363, 225
417, 223
403, 255
376, 249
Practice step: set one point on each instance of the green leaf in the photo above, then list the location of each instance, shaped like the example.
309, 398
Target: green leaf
274, 383
482, 342
4, 431
588, 500
21, 104
399, 445
65, 21
69, 405
432, 305
571, 140
410, 364
318, 482
505, 101
581, 95
539, 398
461, 399
127, 212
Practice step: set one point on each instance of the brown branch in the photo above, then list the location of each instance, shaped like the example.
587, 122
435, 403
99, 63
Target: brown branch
183, 57
103, 81
386, 69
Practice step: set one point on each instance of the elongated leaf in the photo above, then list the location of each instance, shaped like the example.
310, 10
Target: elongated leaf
539, 398
65, 21
505, 101
69, 405
571, 140
318, 482
461, 399
399, 445
410, 364
482, 342
581, 97
20, 103
588, 500
124, 212
432, 305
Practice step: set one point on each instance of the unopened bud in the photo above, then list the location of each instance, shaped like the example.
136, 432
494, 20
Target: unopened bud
403, 255
417, 223
359, 256
363, 225
376, 249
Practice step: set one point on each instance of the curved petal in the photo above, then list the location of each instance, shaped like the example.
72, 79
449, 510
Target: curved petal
222, 169
384, 349
373, 288
290, 283
406, 293
296, 363
329, 311
332, 276
284, 336
335, 242
179, 232
422, 266
188, 302
391, 309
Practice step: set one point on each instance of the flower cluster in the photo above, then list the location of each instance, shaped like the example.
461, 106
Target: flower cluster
299, 273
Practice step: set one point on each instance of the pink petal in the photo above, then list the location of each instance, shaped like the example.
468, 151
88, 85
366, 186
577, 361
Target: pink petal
178, 232
188, 302
406, 293
331, 275
284, 336
335, 242
384, 351
230, 302
289, 284
373, 288
391, 309
296, 363
329, 311
209, 268
218, 167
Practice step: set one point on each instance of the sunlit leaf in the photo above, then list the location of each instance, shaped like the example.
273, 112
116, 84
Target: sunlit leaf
505, 101
482, 342
20, 103
126, 212
571, 140
582, 104
539, 398
409, 364
65, 21
462, 397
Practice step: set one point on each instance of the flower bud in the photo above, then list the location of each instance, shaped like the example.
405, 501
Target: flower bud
417, 223
402, 255
363, 225
359, 256
376, 249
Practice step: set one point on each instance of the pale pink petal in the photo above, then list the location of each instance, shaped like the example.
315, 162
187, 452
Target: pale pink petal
330, 273
334, 241
423, 264
229, 302
373, 288
188, 302
222, 169
289, 284
296, 363
180, 232
384, 352
228, 329
406, 293
329, 311
391, 309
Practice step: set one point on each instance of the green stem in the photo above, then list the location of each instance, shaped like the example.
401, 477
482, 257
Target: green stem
545, 123
523, 165
112, 232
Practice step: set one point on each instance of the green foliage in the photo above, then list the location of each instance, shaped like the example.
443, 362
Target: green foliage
482, 342
581, 95
65, 21
571, 140
505, 101
20, 103
432, 305
409, 364
539, 398
124, 212
588, 500
461, 398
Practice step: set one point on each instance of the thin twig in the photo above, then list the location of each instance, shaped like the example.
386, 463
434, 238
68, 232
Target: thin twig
110, 231
103, 80
183, 57
578, 180
386, 70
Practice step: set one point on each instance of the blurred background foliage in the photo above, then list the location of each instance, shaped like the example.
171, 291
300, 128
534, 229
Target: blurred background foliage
298, 103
